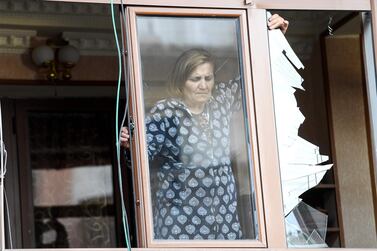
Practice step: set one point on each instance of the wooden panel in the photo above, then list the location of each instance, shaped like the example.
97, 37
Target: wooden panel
374, 27
185, 3
2, 160
314, 5
12, 188
268, 152
369, 50
204, 249
89, 68
260, 4
350, 137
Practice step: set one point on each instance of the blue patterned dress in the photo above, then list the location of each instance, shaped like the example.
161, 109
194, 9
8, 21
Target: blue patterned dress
195, 196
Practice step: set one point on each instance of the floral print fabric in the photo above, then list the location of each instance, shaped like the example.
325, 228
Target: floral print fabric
196, 195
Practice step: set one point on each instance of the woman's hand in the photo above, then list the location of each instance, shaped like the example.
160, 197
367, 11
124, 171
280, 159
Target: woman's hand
276, 21
125, 137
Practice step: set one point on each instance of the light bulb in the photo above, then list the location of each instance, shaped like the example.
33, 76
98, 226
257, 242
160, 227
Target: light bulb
68, 55
42, 55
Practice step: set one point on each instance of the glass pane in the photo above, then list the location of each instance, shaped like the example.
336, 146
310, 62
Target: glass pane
322, 125
72, 180
198, 142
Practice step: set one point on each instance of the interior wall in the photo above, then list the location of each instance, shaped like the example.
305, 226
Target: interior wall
89, 68
350, 137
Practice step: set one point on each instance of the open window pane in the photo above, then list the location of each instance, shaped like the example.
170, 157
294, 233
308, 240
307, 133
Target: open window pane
323, 127
197, 132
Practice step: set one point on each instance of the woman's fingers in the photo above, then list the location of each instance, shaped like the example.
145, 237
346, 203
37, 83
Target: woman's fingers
124, 137
276, 21
124, 132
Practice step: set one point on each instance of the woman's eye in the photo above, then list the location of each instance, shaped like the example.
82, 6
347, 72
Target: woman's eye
208, 78
195, 79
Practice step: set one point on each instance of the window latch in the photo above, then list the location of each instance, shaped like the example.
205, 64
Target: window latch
132, 126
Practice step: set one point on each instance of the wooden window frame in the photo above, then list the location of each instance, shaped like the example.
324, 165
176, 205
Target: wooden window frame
361, 5
263, 99
142, 165
22, 108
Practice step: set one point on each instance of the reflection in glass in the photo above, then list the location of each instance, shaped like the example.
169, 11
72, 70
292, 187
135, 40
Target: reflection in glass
306, 226
196, 128
72, 180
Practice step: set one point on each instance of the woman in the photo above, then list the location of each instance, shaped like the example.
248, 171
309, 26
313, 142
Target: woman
196, 195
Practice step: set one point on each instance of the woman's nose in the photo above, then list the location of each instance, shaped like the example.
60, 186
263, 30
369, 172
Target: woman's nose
203, 83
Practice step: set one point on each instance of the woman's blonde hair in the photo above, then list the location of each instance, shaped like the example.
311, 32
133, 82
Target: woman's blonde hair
184, 66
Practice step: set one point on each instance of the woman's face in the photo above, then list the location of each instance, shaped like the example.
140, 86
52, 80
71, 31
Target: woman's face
197, 89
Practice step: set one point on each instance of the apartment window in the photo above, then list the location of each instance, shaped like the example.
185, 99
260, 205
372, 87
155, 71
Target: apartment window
202, 184
226, 117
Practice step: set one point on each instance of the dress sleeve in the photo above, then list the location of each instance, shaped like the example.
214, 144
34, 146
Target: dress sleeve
155, 132
230, 93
